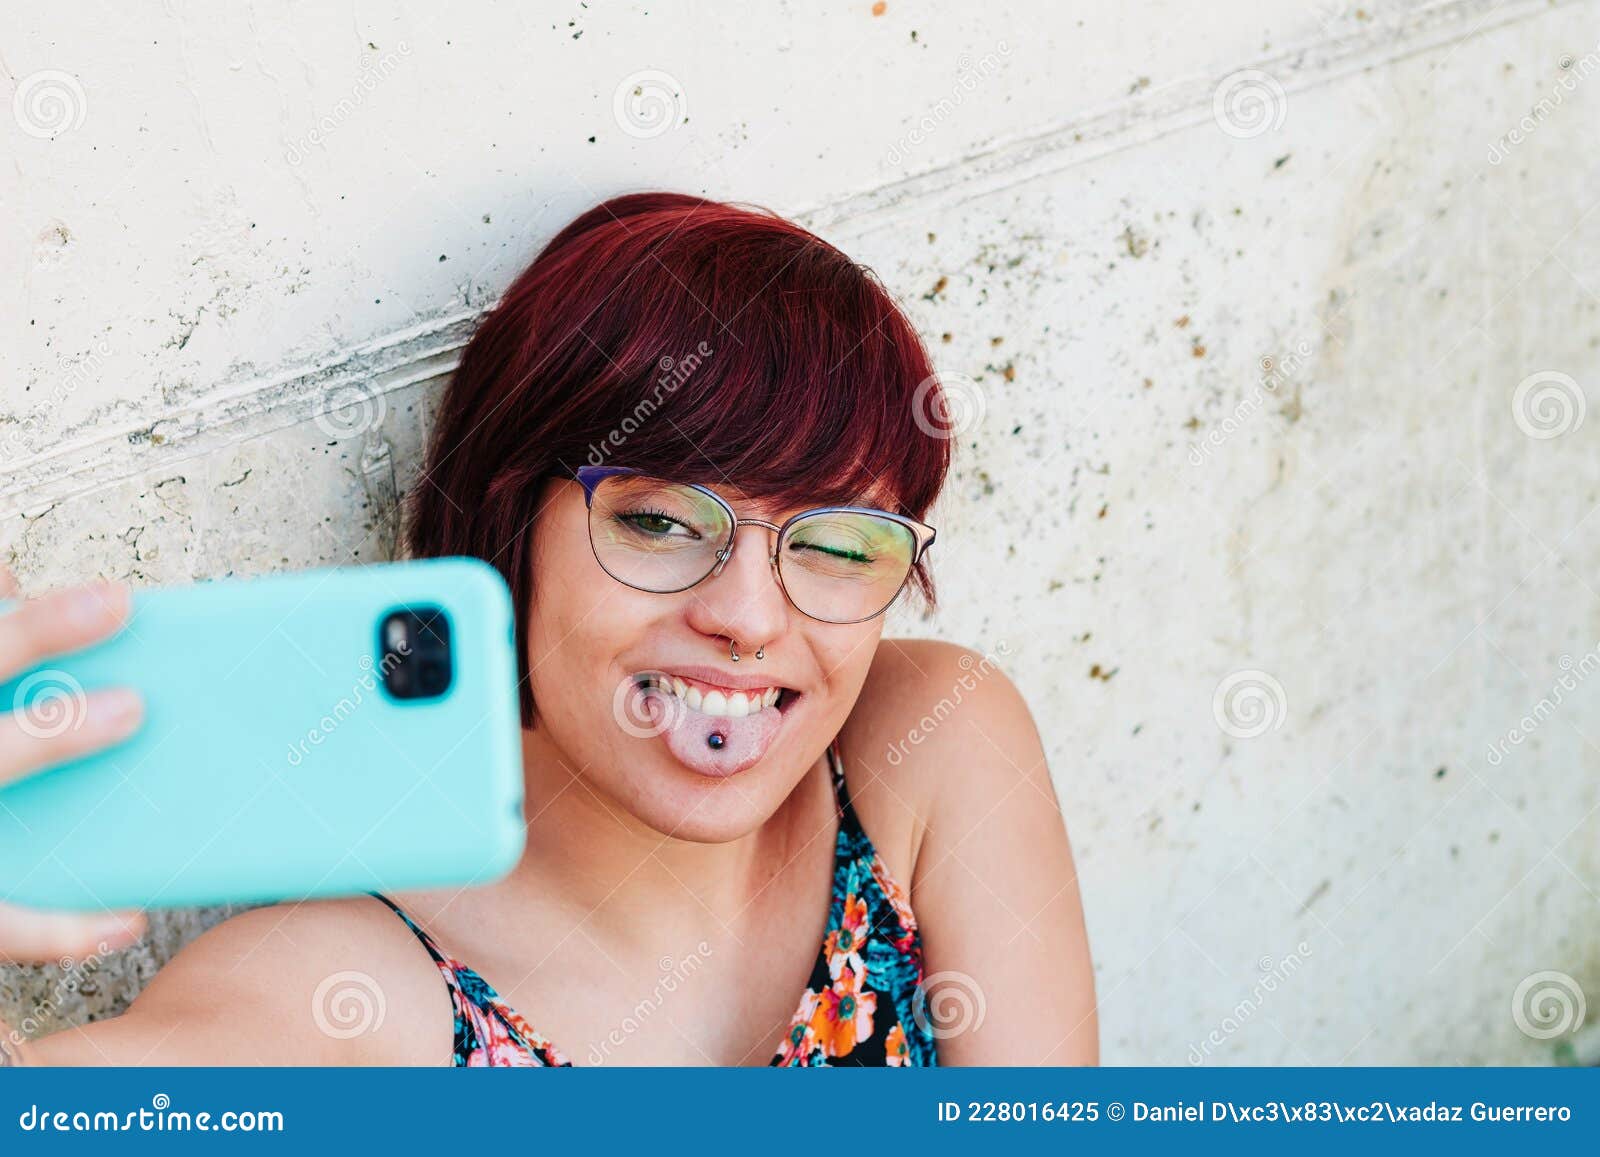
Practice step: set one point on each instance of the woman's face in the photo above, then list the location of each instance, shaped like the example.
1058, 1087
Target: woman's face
590, 637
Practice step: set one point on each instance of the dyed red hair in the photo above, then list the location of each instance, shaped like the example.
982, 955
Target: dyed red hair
693, 339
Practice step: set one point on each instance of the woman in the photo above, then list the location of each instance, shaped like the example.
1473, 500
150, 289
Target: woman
757, 832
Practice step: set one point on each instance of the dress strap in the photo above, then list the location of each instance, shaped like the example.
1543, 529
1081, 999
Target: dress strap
427, 941
841, 793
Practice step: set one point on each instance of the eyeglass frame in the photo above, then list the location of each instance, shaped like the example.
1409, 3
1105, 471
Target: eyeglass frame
590, 477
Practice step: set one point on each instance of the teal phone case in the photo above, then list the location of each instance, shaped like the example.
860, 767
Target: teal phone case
273, 764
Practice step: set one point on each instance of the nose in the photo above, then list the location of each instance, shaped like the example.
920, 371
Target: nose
741, 598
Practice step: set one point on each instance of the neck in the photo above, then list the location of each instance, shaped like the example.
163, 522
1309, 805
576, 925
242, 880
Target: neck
607, 863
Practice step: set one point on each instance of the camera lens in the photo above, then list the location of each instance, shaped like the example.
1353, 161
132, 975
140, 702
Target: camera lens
415, 645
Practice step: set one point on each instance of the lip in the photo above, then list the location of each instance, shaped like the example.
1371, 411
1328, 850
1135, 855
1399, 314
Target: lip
713, 678
723, 679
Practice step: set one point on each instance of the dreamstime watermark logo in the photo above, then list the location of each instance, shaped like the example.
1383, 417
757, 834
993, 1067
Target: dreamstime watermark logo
1273, 974
49, 703
969, 75
1573, 73
347, 1005
673, 973
76, 976
155, 1119
974, 671
374, 70
364, 685
648, 103
948, 405
643, 707
1547, 1005
673, 373
1274, 373
1573, 673
947, 1004
1248, 103
19, 435
350, 409
1248, 704
1548, 404
49, 103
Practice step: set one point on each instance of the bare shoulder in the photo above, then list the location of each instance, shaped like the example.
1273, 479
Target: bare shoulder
318, 982
950, 762
937, 727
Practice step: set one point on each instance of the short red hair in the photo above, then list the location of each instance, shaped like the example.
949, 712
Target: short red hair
693, 339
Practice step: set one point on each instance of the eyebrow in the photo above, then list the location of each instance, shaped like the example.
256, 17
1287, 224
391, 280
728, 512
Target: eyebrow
858, 499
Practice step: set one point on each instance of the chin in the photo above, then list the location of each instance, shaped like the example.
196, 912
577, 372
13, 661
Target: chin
683, 805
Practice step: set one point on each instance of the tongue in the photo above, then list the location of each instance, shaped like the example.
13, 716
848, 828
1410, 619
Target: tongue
688, 732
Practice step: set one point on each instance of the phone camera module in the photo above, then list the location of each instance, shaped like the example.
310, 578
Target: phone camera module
415, 645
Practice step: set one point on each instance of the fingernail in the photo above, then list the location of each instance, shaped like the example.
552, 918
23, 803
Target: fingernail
94, 605
119, 931
116, 707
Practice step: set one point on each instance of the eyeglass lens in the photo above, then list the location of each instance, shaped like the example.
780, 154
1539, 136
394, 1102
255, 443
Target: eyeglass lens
661, 536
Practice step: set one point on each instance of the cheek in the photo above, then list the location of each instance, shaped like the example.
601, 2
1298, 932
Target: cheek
844, 655
581, 620
567, 610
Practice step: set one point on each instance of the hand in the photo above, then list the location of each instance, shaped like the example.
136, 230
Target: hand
30, 633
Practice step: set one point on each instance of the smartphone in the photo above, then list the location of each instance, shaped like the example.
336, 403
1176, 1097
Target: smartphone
312, 734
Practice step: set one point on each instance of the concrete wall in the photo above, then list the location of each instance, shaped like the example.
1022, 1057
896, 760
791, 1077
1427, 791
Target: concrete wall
1274, 324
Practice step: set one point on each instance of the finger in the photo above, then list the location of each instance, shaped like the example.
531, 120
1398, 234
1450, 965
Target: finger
30, 937
9, 587
63, 722
59, 622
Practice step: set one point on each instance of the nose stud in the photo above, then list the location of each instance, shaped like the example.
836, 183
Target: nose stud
733, 650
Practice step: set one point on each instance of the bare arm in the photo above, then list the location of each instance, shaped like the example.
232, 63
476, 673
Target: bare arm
323, 983
1007, 970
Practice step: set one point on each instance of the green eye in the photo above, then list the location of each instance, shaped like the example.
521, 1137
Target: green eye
652, 522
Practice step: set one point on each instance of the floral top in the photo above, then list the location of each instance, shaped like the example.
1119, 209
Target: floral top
862, 1006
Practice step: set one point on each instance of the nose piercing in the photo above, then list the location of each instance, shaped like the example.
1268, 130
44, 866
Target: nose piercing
716, 739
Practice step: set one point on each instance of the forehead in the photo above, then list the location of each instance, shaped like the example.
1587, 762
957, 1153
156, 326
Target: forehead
872, 496
874, 493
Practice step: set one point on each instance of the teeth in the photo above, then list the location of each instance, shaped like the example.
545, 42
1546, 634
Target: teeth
724, 704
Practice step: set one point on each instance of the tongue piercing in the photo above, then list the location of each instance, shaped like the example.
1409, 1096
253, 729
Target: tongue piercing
715, 741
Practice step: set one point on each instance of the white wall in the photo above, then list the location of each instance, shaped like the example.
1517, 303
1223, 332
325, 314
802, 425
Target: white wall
221, 227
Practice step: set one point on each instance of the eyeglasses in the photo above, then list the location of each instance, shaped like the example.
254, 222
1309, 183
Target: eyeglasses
837, 564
